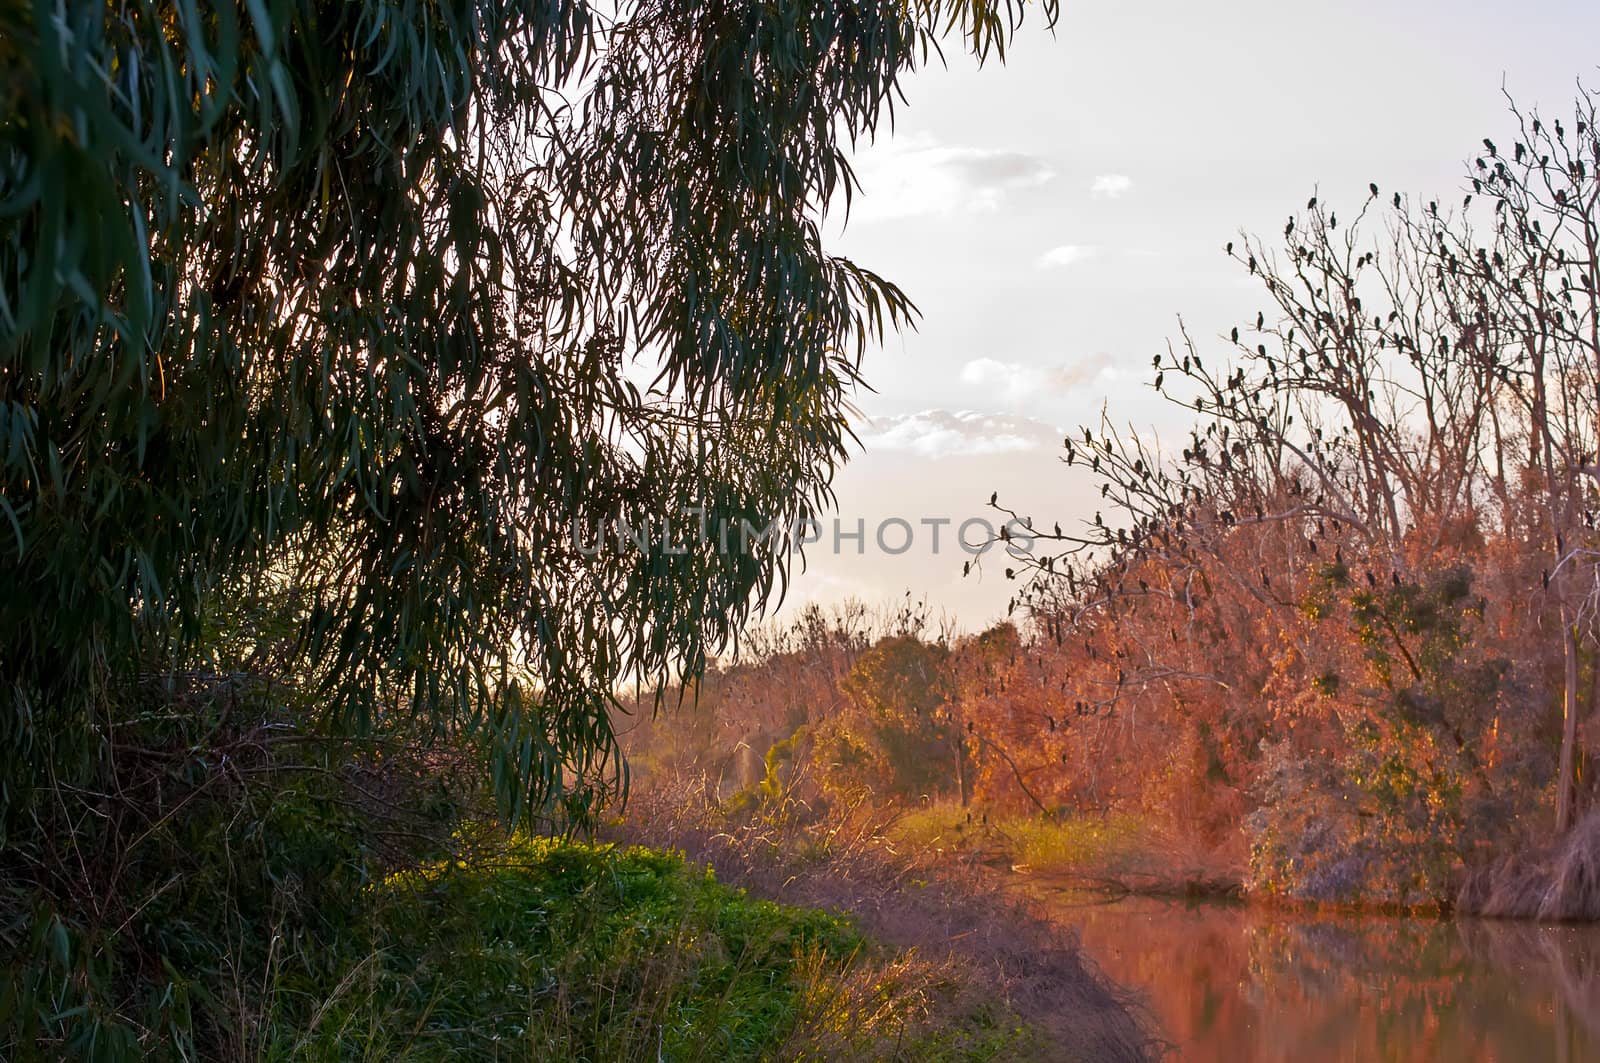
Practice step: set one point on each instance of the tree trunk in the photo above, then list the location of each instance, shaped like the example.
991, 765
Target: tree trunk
963, 784
1569, 723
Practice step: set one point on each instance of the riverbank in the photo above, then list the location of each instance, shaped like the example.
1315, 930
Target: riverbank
1115, 854
998, 955
1226, 977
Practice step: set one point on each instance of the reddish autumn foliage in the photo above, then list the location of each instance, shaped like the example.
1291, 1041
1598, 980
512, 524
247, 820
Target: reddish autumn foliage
1347, 631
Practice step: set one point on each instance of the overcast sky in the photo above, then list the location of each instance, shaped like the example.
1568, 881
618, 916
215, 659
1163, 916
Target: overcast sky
1053, 217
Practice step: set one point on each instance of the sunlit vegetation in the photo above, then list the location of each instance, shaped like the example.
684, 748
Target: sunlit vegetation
1338, 644
1072, 847
548, 950
367, 907
1347, 623
997, 975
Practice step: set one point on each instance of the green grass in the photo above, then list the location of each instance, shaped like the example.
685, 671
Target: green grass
255, 923
550, 950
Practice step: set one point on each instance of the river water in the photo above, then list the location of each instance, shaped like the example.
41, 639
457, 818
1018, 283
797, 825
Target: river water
1235, 983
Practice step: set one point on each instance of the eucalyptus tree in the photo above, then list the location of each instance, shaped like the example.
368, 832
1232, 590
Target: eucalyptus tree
371, 304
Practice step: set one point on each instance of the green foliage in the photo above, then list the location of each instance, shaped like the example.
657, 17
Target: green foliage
266, 923
770, 796
894, 734
780, 762
341, 296
564, 951
1386, 818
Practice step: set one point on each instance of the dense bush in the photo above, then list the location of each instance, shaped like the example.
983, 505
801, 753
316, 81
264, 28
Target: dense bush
893, 733
151, 918
1380, 805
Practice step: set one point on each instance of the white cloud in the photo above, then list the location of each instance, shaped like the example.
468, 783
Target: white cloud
1017, 382
1064, 256
946, 433
917, 175
1110, 186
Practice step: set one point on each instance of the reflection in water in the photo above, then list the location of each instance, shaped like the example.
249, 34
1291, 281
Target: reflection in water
1234, 982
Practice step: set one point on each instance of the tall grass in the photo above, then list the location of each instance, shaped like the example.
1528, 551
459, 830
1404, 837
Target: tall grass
1560, 883
1067, 844
1117, 852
